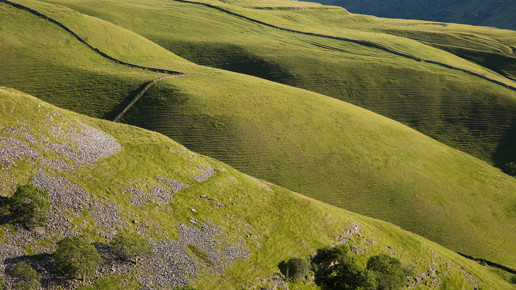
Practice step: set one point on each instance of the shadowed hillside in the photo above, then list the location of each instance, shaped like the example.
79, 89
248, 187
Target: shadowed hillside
485, 13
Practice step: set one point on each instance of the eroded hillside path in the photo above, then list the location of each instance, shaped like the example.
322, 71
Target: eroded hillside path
360, 42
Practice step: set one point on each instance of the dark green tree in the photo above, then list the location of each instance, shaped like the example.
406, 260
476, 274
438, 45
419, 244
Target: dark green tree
336, 269
29, 205
510, 168
26, 276
295, 269
388, 270
77, 257
130, 245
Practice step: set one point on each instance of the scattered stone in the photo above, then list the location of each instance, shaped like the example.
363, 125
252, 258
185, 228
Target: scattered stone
11, 148
62, 193
89, 144
204, 173
170, 266
58, 164
217, 203
261, 184
107, 215
203, 237
144, 193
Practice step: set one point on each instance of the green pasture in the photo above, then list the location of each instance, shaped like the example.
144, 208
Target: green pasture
319, 146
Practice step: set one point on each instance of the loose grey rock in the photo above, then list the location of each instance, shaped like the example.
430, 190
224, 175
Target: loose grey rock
107, 215
7, 253
204, 173
204, 237
82, 144
159, 192
217, 203
62, 193
169, 267
58, 164
11, 148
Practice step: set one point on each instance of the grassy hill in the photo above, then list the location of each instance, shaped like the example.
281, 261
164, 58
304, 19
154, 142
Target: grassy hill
319, 146
210, 225
452, 107
475, 12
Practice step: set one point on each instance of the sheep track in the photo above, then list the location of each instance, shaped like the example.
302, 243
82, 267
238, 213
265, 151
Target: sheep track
98, 51
360, 42
142, 92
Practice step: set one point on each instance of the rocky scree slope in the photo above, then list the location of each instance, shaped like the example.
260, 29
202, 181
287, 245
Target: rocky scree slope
209, 225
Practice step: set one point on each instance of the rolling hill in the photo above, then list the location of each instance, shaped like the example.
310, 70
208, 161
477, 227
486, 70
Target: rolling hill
485, 13
453, 107
319, 146
210, 225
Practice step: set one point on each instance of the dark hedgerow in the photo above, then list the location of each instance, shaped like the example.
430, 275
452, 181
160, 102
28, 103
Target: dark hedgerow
26, 276
388, 271
295, 269
77, 257
29, 205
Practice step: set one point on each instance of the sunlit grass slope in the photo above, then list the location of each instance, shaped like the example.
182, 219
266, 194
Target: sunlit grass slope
460, 110
272, 222
41, 58
318, 146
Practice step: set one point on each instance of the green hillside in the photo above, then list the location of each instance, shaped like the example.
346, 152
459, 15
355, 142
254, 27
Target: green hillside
210, 226
319, 146
485, 13
455, 108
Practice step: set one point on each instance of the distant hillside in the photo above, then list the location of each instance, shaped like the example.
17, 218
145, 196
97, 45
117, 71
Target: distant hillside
496, 13
458, 109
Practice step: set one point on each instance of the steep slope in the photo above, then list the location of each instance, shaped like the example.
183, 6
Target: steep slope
210, 225
456, 108
322, 147
486, 13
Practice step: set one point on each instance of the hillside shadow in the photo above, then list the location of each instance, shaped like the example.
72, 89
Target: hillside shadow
43, 264
4, 217
506, 150
232, 58
121, 106
501, 64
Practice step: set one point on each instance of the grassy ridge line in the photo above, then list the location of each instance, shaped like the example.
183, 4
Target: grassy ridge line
37, 13
140, 94
360, 42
